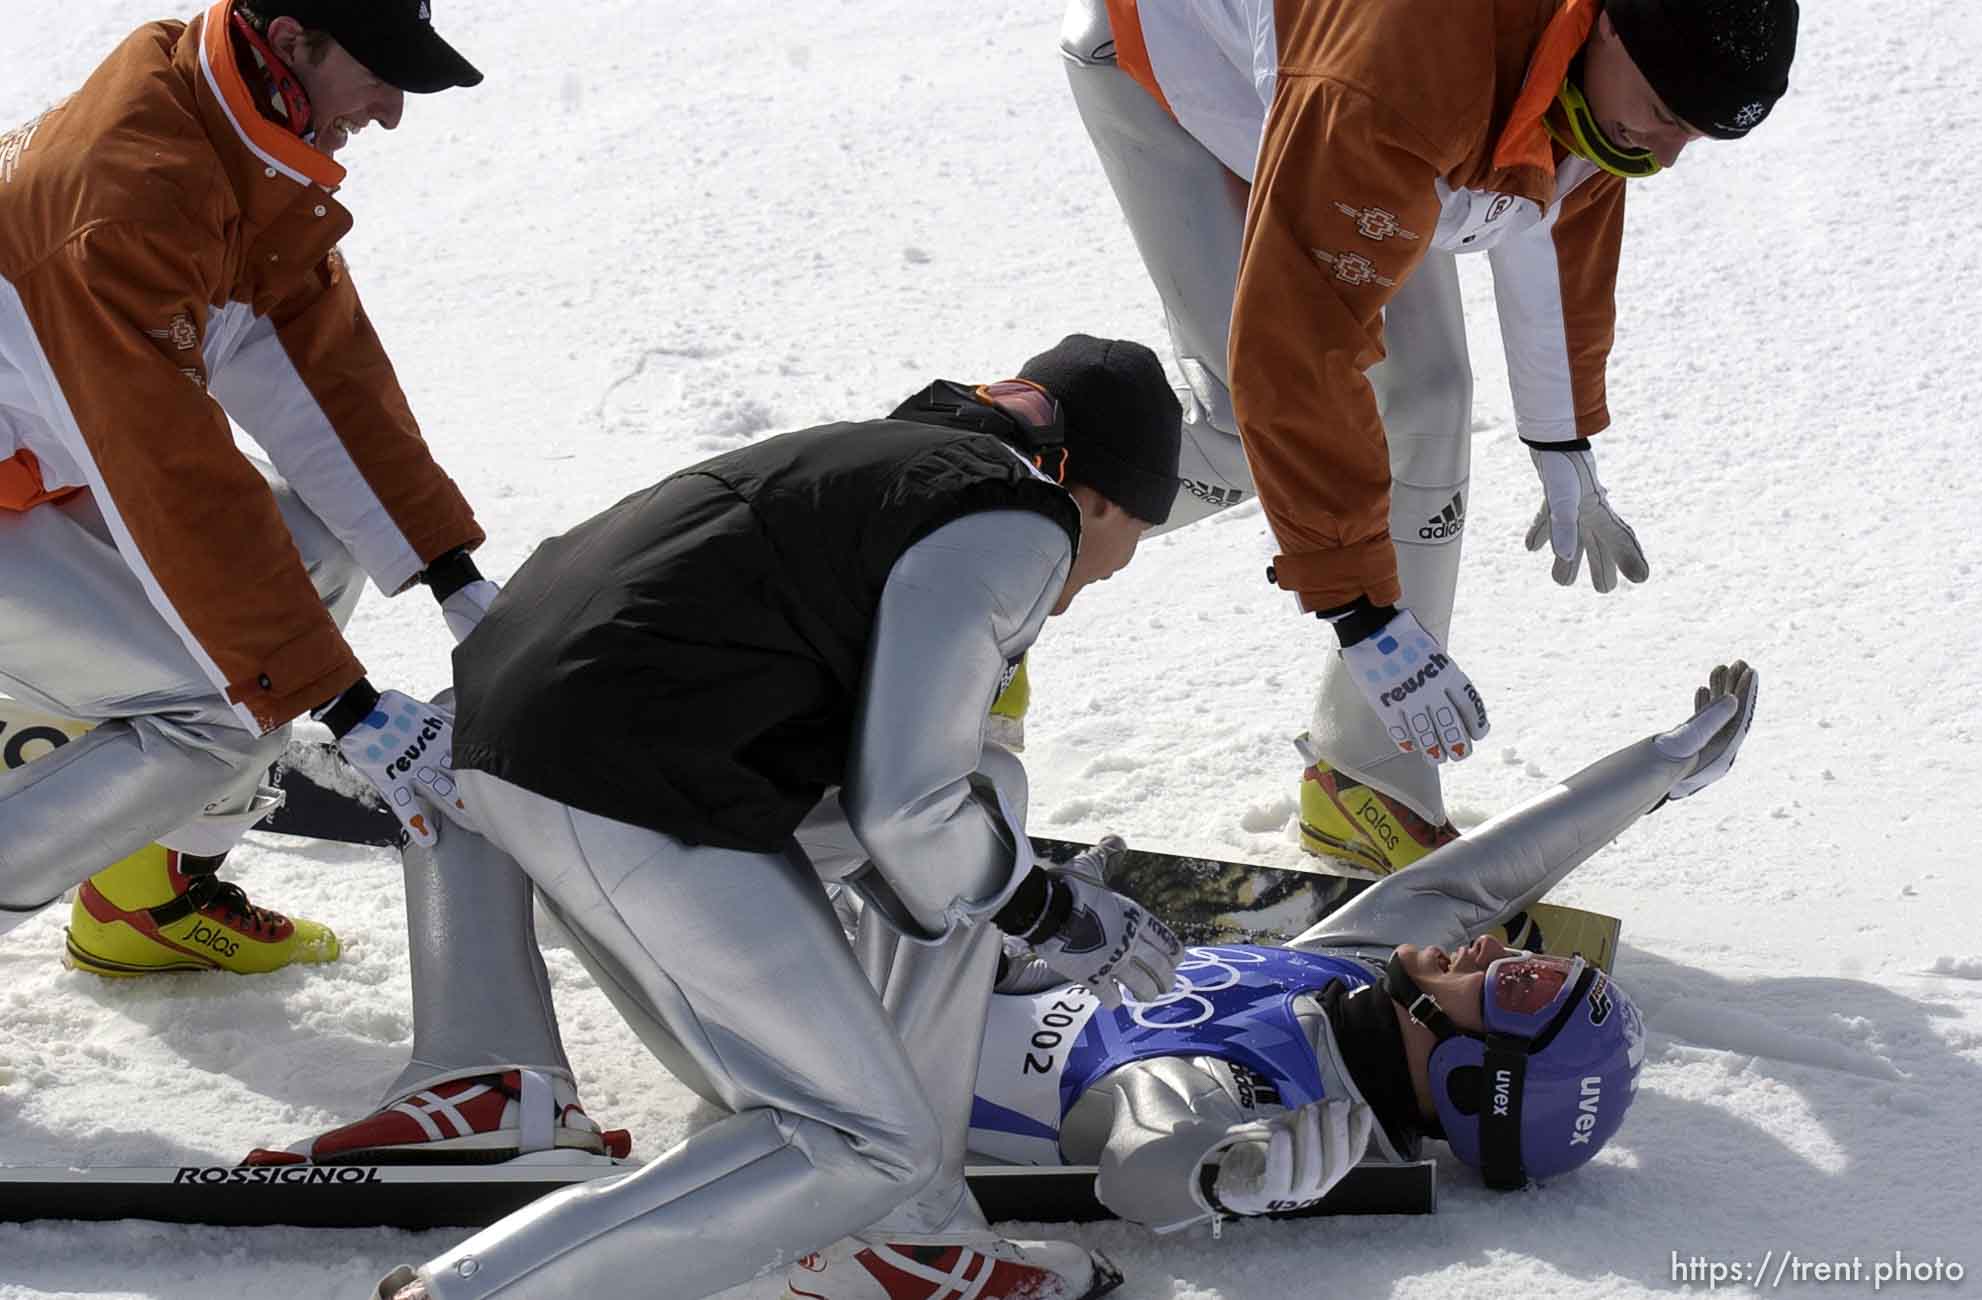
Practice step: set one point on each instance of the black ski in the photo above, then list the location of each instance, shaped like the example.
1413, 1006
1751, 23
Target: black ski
323, 799
1208, 900
418, 1197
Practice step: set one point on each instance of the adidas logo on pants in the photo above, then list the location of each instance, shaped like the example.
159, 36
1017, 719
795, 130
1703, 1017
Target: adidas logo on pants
1448, 522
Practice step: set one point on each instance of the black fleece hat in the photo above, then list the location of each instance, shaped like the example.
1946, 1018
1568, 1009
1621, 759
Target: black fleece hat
394, 39
1721, 65
1123, 424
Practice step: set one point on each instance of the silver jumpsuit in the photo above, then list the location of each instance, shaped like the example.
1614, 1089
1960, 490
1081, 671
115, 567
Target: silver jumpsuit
848, 1080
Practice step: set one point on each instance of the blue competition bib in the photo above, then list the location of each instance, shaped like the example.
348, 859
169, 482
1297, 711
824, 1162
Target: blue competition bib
1232, 1001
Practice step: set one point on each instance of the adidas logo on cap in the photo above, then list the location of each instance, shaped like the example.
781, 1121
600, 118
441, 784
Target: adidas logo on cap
1449, 522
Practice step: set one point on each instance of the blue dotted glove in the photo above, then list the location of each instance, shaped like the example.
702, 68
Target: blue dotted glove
1426, 702
405, 748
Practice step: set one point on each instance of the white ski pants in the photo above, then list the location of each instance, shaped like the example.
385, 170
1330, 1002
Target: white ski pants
1188, 216
80, 639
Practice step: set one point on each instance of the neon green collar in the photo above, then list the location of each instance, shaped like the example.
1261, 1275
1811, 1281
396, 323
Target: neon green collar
1587, 140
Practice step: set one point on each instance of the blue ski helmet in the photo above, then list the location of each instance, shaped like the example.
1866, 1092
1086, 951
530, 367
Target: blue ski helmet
1548, 1083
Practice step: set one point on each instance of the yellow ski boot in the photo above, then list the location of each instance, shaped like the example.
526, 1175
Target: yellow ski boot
1343, 819
160, 910
1008, 710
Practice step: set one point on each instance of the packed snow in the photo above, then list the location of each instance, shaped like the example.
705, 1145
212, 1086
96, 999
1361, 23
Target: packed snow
662, 229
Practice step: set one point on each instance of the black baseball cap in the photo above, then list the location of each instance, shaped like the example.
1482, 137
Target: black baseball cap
394, 39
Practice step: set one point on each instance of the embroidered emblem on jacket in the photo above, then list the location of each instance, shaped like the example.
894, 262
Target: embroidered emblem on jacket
1352, 268
181, 333
1375, 223
196, 376
16, 142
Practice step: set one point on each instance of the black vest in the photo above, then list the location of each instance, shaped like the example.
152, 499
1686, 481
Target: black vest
690, 660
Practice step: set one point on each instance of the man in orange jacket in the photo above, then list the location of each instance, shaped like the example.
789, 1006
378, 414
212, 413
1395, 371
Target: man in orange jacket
1298, 177
168, 258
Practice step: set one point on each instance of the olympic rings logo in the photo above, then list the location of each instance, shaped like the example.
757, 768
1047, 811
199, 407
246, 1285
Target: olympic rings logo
1220, 968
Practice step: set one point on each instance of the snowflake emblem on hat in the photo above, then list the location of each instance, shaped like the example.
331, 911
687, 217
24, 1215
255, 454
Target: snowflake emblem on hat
1750, 115
1352, 268
1375, 223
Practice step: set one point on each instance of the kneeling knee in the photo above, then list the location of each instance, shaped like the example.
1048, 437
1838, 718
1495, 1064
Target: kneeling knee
916, 1150
1086, 36
902, 1156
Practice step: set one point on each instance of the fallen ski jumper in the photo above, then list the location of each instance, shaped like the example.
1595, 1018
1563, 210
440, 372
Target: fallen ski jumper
1267, 1073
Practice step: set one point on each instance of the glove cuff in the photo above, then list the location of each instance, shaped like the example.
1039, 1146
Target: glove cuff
1038, 909
449, 573
349, 709
1207, 1190
1211, 1167
1358, 620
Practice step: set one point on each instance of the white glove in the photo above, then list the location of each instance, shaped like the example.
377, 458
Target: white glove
1426, 701
1290, 1161
1108, 940
405, 748
1723, 710
464, 609
1576, 518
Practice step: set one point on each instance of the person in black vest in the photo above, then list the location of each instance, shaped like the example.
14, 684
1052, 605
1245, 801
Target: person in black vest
811, 627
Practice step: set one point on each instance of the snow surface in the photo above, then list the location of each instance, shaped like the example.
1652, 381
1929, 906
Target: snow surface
661, 229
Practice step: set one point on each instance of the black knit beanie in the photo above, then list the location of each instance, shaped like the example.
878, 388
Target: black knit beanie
1721, 65
1123, 424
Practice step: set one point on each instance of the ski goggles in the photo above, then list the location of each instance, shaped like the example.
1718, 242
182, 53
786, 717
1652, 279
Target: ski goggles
1044, 421
1586, 139
1526, 993
1527, 1000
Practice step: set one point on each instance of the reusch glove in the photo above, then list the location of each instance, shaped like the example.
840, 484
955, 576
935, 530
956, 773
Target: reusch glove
1576, 519
405, 748
1091, 935
1426, 702
1723, 709
1288, 1162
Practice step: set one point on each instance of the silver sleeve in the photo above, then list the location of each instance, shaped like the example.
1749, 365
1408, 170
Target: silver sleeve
1148, 1126
1487, 875
959, 606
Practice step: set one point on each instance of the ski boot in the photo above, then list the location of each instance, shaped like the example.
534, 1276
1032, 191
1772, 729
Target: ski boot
992, 1269
1343, 819
472, 1119
161, 910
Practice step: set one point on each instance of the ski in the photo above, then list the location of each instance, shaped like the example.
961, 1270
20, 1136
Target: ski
1205, 900
418, 1197
324, 799
1208, 900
